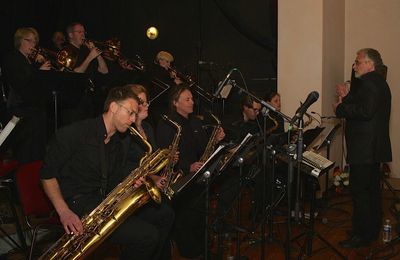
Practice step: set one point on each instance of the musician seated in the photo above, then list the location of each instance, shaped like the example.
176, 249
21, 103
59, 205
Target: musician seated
275, 122
229, 181
85, 162
248, 122
161, 79
189, 204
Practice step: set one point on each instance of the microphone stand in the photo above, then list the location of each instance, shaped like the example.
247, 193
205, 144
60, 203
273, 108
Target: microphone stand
299, 160
264, 156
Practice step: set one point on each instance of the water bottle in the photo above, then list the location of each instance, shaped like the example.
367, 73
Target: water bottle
387, 231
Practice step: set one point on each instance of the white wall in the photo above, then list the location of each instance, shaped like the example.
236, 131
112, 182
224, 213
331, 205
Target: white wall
376, 24
316, 48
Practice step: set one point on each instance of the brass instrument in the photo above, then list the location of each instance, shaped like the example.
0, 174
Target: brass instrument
111, 49
47, 54
168, 172
191, 83
273, 128
212, 142
67, 57
182, 180
120, 203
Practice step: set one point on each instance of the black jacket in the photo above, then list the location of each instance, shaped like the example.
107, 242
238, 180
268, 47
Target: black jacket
367, 113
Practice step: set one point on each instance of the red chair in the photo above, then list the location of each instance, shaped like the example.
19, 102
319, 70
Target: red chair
7, 188
34, 202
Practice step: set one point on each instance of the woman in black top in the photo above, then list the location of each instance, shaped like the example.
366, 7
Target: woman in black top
27, 98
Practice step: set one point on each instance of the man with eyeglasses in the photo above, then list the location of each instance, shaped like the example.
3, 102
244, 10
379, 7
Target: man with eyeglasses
366, 109
86, 161
89, 57
88, 60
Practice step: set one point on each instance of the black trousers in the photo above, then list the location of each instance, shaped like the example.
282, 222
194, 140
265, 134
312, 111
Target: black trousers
143, 235
366, 195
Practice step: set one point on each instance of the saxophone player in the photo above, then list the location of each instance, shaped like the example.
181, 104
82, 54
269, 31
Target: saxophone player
229, 183
86, 161
188, 231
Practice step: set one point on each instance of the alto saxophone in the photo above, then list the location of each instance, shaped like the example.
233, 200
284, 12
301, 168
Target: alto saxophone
181, 180
120, 203
168, 172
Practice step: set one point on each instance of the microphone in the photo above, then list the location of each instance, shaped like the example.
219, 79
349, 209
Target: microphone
311, 98
222, 84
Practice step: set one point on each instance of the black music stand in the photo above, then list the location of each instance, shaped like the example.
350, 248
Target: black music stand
310, 233
204, 174
327, 143
236, 158
63, 89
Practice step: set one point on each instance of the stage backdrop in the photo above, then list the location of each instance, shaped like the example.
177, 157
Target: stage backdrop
207, 37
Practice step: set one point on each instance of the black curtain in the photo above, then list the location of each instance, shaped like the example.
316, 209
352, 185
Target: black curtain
222, 34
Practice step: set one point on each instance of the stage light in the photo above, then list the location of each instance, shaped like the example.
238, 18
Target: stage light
152, 33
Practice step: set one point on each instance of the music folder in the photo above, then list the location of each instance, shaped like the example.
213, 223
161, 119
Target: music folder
209, 165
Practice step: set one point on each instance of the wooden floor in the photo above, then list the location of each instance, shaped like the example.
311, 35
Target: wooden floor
331, 223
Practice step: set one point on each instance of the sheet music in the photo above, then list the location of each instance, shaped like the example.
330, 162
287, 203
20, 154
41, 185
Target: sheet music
227, 158
7, 130
220, 147
185, 180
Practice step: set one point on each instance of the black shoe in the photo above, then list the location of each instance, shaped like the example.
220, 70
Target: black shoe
354, 242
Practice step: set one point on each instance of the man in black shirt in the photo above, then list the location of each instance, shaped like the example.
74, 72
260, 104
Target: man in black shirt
189, 204
86, 161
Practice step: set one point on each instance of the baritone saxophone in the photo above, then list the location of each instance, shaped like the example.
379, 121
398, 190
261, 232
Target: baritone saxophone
120, 203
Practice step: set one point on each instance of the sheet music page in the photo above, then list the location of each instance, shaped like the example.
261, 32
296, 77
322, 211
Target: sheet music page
7, 130
209, 158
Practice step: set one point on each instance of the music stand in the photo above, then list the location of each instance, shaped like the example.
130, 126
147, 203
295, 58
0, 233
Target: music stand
327, 142
64, 89
234, 152
204, 174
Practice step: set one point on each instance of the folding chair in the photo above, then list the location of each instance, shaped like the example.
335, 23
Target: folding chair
34, 202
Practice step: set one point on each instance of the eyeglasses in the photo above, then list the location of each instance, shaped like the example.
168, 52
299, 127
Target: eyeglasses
84, 32
130, 112
358, 62
256, 110
32, 41
144, 103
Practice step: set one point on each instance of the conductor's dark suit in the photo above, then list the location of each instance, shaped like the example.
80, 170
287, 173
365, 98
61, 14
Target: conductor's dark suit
367, 112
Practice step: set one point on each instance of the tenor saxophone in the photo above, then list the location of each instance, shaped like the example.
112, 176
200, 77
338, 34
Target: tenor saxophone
212, 142
121, 202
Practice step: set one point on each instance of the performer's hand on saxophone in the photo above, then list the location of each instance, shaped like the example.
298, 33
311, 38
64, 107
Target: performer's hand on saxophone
71, 222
